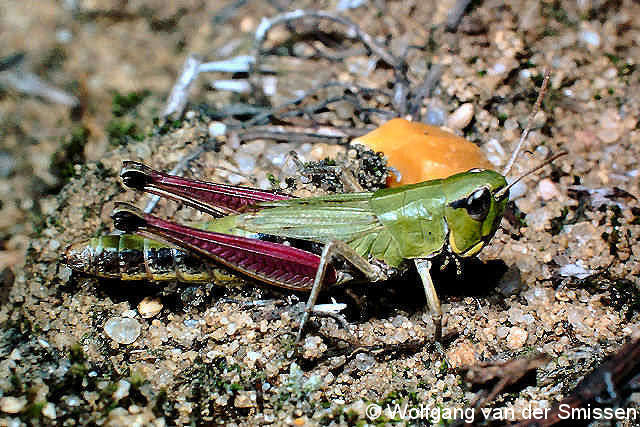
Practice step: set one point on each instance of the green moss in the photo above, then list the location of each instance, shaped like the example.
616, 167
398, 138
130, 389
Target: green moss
124, 104
71, 152
555, 11
76, 353
275, 183
34, 411
163, 127
121, 132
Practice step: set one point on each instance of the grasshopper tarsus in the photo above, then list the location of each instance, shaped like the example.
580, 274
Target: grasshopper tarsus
135, 175
127, 217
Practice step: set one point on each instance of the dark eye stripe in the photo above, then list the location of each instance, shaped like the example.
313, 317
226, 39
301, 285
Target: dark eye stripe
477, 204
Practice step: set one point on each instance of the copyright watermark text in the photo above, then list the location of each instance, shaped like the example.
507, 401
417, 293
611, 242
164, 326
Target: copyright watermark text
407, 412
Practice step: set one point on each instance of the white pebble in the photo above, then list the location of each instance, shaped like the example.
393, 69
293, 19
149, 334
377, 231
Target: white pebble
12, 405
312, 342
237, 86
122, 330
246, 162
364, 361
253, 355
217, 129
269, 85
548, 190
590, 37
497, 68
518, 190
235, 179
435, 116
129, 313
461, 118
49, 411
149, 307
72, 400
575, 270
517, 338
122, 391
64, 36
254, 148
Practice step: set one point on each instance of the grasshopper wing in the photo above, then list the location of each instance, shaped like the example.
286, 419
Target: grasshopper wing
273, 263
215, 199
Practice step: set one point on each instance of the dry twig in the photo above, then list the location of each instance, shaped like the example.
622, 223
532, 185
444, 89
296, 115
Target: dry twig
607, 380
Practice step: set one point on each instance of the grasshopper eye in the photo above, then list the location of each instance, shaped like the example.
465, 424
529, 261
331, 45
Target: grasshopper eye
478, 204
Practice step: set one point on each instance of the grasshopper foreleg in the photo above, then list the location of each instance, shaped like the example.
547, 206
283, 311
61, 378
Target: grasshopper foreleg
424, 270
330, 251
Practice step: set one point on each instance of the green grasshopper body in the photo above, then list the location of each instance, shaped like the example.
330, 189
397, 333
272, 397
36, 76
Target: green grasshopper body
375, 232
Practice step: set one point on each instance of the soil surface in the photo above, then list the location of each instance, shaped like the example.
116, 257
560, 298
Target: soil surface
560, 279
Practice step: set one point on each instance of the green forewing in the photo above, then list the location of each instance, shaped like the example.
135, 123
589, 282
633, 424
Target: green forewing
321, 219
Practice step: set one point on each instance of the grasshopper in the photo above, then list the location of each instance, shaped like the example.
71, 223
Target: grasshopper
377, 233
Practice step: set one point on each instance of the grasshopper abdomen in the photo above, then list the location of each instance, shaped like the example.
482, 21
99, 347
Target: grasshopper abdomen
129, 257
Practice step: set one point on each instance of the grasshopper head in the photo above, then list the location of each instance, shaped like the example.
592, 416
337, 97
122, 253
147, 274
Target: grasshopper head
474, 208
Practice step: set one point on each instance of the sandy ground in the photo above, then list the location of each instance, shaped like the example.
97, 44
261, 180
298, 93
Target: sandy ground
563, 282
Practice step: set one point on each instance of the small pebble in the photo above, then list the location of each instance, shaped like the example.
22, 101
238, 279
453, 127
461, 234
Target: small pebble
313, 346
72, 400
128, 313
237, 86
64, 273
149, 307
245, 399
495, 152
497, 68
64, 35
253, 355
517, 338
364, 361
142, 151
350, 4
435, 116
7, 164
575, 270
122, 391
518, 190
461, 118
49, 411
548, 190
235, 179
590, 37
344, 110
269, 85
217, 129
12, 405
246, 162
122, 330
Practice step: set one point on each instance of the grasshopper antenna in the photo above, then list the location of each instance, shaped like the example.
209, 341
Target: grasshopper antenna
525, 133
505, 191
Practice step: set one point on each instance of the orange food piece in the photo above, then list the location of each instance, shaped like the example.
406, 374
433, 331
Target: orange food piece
422, 152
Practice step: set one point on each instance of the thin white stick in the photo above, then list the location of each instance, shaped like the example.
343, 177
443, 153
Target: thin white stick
525, 133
